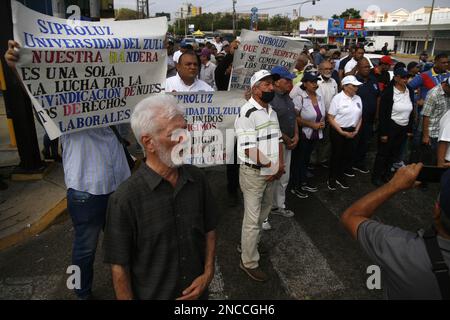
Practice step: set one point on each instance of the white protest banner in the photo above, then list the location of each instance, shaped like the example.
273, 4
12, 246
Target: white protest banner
260, 50
210, 120
81, 75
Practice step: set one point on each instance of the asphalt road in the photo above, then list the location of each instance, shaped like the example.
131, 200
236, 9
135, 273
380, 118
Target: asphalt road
310, 256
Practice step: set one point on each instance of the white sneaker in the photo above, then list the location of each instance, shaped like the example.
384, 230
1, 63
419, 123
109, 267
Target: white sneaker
283, 212
397, 165
266, 225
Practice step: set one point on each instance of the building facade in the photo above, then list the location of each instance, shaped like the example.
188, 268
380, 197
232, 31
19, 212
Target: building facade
314, 30
410, 29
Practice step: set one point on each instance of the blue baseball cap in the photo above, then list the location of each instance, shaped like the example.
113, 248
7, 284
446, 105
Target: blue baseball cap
444, 197
282, 72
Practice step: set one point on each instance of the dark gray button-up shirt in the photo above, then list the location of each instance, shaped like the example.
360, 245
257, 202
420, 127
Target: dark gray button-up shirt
403, 259
284, 107
159, 231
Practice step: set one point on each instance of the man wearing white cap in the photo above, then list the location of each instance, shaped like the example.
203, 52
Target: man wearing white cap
344, 116
259, 148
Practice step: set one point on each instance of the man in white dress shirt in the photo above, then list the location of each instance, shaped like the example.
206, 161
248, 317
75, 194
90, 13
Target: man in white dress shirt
186, 78
94, 165
352, 66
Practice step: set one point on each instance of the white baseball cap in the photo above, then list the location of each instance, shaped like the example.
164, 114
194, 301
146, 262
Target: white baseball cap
351, 80
258, 76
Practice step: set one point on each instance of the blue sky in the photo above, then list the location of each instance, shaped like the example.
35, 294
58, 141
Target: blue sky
325, 8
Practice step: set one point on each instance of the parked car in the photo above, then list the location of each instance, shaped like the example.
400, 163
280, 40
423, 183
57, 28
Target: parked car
307, 43
190, 40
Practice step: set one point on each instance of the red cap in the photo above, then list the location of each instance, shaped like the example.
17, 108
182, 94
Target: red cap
386, 60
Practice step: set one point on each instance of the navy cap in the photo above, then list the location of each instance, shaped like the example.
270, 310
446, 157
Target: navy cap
412, 65
402, 72
444, 198
310, 76
282, 72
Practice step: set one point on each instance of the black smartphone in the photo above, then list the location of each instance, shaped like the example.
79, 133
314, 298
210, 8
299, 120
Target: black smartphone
431, 174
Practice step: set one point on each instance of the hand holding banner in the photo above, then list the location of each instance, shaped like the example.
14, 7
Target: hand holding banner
81, 75
260, 50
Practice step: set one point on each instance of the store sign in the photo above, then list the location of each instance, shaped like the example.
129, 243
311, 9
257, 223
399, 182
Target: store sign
354, 24
314, 28
335, 26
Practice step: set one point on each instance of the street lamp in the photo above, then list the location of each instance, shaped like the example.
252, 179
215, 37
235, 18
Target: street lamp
234, 18
300, 11
428, 28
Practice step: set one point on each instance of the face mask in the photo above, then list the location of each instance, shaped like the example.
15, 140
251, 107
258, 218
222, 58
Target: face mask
267, 96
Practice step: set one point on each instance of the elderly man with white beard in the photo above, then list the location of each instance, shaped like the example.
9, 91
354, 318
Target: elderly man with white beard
160, 233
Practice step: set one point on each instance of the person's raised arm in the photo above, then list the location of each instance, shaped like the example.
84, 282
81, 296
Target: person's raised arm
364, 208
12, 56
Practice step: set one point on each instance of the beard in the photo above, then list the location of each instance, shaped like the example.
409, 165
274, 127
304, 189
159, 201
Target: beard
165, 155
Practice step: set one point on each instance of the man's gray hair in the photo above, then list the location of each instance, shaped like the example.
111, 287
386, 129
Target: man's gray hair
148, 112
323, 63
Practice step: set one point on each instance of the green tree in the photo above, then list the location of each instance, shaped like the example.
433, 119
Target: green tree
279, 23
126, 14
350, 13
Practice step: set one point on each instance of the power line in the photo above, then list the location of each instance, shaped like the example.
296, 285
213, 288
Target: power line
259, 3
210, 4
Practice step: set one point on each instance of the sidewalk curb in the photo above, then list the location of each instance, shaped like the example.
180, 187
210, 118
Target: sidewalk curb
36, 227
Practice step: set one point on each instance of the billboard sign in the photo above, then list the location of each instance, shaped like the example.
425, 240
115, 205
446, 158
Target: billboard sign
354, 24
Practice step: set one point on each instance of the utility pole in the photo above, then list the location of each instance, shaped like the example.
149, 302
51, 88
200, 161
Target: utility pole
300, 12
429, 27
19, 105
234, 18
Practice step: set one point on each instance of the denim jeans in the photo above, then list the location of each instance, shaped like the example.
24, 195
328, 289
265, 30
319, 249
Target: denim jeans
88, 213
306, 148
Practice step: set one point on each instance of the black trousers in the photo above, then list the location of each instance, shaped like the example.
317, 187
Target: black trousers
389, 151
233, 173
341, 153
361, 144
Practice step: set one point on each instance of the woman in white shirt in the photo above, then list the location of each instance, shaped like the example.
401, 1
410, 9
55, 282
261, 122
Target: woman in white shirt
311, 117
344, 116
443, 150
395, 124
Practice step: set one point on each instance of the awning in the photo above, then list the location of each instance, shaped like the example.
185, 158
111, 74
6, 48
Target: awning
198, 33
